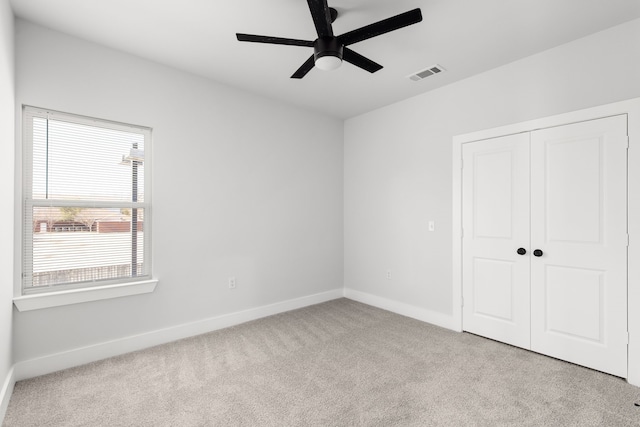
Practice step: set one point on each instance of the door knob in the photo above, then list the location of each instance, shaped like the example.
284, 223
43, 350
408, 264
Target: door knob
522, 251
538, 252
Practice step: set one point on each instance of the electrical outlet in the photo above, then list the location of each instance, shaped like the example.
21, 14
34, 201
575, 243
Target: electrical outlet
232, 282
389, 274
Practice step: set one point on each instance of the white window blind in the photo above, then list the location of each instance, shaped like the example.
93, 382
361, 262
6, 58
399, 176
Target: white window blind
86, 201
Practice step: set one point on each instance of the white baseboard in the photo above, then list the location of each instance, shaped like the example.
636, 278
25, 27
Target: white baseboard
5, 393
433, 317
80, 356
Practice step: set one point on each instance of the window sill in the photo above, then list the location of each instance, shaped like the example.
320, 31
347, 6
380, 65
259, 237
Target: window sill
75, 296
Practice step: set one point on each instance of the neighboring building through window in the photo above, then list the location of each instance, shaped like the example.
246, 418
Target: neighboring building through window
86, 202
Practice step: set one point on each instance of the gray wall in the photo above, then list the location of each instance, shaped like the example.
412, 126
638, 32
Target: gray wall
398, 158
242, 188
6, 186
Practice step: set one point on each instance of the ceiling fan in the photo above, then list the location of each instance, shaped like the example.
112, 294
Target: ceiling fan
329, 50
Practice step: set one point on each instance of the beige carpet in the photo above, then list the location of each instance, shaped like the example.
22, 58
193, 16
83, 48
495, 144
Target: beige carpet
340, 363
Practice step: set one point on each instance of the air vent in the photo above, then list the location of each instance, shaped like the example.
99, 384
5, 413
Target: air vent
435, 69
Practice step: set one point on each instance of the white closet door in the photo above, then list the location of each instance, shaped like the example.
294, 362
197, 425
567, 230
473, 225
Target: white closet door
495, 224
579, 222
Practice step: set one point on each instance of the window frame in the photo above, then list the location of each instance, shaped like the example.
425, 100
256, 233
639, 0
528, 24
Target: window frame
69, 293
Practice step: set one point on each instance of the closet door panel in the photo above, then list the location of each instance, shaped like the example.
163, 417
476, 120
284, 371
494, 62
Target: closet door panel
578, 221
496, 223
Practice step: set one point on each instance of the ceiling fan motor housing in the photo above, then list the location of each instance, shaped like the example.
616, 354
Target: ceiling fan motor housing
327, 46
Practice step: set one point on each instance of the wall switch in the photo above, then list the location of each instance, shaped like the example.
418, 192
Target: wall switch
232, 282
389, 274
432, 225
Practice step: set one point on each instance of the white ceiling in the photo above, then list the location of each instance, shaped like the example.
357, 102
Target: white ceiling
466, 37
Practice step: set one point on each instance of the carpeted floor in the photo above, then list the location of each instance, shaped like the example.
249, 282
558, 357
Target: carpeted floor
340, 363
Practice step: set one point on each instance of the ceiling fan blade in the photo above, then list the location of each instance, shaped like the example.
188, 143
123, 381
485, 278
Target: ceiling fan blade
272, 40
304, 69
321, 17
360, 61
381, 27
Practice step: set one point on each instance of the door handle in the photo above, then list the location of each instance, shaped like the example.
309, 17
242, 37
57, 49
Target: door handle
521, 251
538, 253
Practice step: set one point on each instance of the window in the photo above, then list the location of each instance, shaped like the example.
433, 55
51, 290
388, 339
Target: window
86, 202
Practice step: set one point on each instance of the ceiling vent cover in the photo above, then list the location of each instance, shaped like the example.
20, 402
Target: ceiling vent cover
434, 69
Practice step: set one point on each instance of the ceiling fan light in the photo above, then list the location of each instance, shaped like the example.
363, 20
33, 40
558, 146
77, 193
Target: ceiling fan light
328, 62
